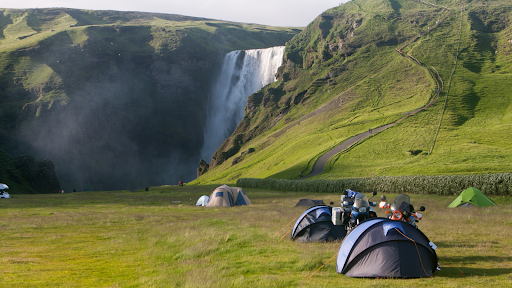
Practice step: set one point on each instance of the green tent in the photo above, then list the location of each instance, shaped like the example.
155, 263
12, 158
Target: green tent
472, 196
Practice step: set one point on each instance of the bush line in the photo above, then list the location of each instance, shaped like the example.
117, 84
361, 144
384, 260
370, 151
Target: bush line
490, 184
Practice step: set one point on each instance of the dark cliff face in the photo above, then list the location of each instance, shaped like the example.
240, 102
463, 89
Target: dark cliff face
130, 116
118, 106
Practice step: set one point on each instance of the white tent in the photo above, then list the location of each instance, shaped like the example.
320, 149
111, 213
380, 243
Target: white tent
4, 194
202, 201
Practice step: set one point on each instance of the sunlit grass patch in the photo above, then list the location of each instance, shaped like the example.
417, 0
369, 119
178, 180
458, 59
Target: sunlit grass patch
79, 242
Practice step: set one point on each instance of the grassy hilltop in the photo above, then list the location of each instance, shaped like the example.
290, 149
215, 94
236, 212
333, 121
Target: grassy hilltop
343, 75
113, 99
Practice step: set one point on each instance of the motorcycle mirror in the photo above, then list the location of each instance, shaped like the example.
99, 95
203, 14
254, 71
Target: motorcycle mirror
422, 208
383, 198
374, 193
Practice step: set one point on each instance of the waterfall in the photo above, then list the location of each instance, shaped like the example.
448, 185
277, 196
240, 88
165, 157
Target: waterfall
243, 73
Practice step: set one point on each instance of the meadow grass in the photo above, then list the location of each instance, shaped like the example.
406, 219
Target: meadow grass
142, 239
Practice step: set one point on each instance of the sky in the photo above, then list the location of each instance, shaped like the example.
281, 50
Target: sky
296, 13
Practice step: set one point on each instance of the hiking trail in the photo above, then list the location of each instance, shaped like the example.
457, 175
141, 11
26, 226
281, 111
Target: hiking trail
320, 164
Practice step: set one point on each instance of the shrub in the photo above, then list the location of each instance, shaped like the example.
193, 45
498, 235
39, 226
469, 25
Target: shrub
490, 184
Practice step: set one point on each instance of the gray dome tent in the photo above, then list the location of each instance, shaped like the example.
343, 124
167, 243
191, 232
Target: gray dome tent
310, 203
381, 247
315, 225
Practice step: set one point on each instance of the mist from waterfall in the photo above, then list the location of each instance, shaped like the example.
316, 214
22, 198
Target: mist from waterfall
243, 73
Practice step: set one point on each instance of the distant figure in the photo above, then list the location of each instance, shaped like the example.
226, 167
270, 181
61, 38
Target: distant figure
300, 174
147, 188
86, 189
74, 190
370, 130
180, 183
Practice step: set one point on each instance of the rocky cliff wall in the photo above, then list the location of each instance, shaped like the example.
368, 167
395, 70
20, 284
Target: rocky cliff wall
117, 106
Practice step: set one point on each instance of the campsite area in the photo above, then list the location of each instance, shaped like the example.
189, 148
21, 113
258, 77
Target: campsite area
147, 238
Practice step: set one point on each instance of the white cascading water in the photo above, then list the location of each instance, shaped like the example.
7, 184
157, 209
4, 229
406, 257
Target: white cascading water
243, 73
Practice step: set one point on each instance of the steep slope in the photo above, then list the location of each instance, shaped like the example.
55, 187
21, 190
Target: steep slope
344, 75
115, 99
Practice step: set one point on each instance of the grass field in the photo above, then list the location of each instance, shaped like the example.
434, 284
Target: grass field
143, 239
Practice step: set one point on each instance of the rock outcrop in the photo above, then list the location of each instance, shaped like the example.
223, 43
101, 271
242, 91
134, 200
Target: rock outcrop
203, 167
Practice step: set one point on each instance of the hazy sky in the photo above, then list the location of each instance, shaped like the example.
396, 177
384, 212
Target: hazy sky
269, 12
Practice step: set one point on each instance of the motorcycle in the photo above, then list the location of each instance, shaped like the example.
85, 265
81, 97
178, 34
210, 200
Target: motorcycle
357, 208
402, 210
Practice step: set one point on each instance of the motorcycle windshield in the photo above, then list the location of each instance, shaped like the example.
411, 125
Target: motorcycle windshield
361, 201
402, 203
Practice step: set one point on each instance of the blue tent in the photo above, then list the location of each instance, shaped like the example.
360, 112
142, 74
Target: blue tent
380, 247
315, 225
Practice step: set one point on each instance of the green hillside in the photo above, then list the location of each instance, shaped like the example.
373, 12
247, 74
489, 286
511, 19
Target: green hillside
343, 75
114, 99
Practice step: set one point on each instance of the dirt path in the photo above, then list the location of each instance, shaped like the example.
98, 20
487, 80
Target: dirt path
320, 163
319, 166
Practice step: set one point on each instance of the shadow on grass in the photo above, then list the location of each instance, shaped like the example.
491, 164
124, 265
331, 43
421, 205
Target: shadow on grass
452, 266
463, 245
454, 272
475, 259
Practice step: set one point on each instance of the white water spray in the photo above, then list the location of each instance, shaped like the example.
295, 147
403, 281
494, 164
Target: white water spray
243, 73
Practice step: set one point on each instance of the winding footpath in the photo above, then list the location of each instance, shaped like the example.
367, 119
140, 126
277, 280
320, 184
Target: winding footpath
320, 163
319, 166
